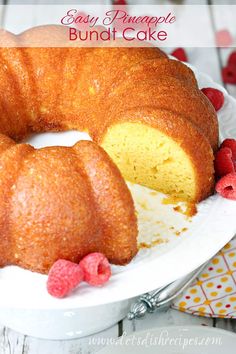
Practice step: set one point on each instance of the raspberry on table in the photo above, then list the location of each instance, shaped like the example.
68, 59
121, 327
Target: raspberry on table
96, 268
63, 277
229, 74
224, 163
215, 96
226, 186
231, 144
179, 53
232, 59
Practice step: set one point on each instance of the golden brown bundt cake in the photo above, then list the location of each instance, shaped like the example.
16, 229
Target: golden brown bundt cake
60, 202
105, 91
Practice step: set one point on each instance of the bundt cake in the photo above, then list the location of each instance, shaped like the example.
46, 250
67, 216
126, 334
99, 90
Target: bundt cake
144, 109
61, 202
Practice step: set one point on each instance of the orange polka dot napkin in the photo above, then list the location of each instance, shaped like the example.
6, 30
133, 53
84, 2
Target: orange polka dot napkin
213, 293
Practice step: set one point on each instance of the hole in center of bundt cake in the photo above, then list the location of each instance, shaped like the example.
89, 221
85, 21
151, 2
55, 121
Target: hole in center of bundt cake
148, 157
67, 138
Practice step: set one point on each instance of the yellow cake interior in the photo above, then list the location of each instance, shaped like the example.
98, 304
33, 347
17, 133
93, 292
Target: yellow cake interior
148, 157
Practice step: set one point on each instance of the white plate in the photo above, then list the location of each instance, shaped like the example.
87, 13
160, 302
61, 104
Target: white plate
212, 227
175, 340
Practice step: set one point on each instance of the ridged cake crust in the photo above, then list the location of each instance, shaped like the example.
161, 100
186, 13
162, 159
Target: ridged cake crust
60, 202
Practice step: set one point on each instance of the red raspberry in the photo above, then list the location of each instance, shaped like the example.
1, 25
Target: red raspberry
63, 277
229, 74
96, 268
119, 2
224, 163
223, 38
179, 53
232, 59
226, 186
231, 144
215, 96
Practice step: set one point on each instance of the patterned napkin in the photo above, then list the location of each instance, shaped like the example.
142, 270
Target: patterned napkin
213, 293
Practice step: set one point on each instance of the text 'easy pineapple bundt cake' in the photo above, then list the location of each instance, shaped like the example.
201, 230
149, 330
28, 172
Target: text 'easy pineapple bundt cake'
144, 109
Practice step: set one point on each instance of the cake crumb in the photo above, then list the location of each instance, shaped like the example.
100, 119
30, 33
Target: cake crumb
151, 244
189, 211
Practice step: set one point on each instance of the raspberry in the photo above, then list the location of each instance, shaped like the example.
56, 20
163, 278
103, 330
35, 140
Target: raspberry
119, 2
224, 163
223, 38
180, 54
231, 144
226, 186
232, 59
215, 96
63, 277
96, 268
229, 74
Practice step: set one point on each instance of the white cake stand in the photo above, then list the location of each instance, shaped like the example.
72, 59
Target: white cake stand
26, 306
